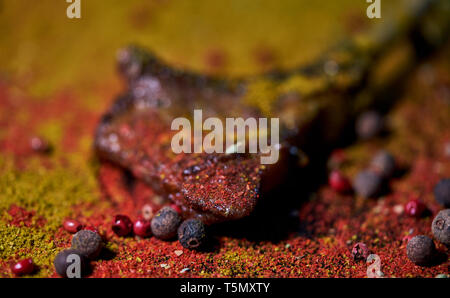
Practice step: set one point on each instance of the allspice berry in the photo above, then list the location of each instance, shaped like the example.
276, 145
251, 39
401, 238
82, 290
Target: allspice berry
383, 163
441, 227
421, 250
89, 243
368, 184
442, 192
165, 223
63, 260
192, 233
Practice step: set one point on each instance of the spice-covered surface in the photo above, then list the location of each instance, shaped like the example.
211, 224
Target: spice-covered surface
59, 99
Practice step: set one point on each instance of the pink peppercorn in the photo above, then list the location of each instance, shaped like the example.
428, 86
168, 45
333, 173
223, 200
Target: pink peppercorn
91, 228
142, 227
176, 208
39, 145
122, 225
407, 238
25, 266
339, 182
415, 208
72, 226
360, 252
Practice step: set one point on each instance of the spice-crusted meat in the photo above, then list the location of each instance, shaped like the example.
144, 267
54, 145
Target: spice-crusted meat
212, 187
136, 134
313, 103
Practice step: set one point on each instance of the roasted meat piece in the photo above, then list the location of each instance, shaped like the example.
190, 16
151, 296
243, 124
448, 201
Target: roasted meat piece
314, 103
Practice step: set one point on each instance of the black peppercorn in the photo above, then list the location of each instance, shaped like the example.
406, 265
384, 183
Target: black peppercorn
192, 233
368, 184
442, 192
165, 223
441, 227
88, 243
421, 250
66, 258
383, 163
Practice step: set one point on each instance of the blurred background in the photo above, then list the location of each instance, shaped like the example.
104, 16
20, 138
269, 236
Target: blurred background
43, 51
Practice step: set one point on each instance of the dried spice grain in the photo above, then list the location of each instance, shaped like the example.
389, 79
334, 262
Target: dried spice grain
165, 223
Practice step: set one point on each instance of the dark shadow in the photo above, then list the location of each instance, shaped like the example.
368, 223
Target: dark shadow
275, 216
87, 269
129, 180
401, 171
438, 259
106, 254
212, 244
36, 270
426, 213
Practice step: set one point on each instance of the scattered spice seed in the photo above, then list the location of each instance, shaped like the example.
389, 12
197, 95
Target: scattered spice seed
122, 225
165, 223
421, 250
61, 262
360, 252
442, 192
407, 238
367, 184
40, 145
383, 163
88, 243
192, 233
72, 226
185, 270
339, 182
95, 230
23, 267
415, 208
441, 227
142, 228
